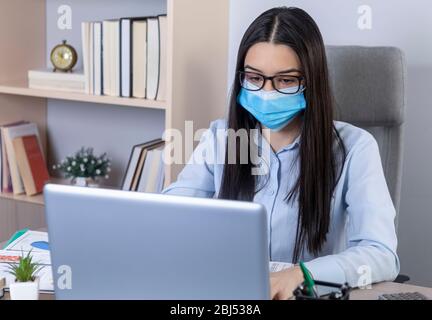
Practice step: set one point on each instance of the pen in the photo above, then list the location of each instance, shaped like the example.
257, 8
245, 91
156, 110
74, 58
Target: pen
309, 282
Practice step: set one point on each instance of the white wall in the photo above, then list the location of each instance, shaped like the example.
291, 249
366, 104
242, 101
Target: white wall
407, 25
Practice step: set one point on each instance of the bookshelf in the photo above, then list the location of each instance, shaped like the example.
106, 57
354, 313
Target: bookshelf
198, 39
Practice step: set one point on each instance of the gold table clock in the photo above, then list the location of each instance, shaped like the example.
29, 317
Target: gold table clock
63, 57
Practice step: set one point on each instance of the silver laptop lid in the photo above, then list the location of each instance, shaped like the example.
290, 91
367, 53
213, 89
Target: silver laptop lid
129, 245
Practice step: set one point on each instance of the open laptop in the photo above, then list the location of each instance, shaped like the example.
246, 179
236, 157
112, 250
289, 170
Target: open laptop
111, 244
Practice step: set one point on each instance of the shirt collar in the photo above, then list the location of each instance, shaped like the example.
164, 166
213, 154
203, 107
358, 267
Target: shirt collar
259, 139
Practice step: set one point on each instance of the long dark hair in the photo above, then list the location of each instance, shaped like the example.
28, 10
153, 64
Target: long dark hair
322, 152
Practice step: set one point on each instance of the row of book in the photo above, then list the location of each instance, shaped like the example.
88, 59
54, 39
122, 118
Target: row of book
145, 171
22, 164
124, 57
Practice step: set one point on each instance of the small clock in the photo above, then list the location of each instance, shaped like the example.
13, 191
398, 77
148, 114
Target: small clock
64, 57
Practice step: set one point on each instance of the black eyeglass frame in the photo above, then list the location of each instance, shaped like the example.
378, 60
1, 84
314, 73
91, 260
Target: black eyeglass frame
299, 78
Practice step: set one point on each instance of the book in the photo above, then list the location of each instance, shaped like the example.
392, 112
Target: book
139, 58
132, 40
132, 171
154, 172
31, 164
91, 58
143, 157
46, 79
163, 39
161, 174
106, 52
152, 176
145, 173
8, 133
6, 177
97, 58
131, 168
85, 38
138, 171
6, 185
125, 56
111, 57
152, 58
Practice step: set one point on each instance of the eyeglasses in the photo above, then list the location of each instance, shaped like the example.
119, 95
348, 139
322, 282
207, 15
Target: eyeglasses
286, 84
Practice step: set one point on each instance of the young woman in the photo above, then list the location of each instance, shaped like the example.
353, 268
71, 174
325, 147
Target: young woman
325, 192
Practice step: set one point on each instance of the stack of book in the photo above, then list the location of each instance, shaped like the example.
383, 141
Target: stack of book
145, 171
126, 57
22, 164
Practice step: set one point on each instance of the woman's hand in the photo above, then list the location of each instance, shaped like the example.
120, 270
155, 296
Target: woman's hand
283, 283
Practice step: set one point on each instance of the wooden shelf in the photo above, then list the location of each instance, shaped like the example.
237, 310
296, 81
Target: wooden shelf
52, 94
39, 198
36, 199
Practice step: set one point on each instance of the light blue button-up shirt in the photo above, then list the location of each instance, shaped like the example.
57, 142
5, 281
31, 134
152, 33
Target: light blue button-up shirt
361, 242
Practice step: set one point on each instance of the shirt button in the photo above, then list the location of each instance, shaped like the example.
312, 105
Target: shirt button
271, 192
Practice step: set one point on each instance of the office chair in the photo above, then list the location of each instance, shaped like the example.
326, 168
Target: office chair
368, 85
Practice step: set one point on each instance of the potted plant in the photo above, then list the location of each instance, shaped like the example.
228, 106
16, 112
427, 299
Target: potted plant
26, 285
84, 168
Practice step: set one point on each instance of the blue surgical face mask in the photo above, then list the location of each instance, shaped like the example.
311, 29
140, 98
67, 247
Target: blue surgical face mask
273, 109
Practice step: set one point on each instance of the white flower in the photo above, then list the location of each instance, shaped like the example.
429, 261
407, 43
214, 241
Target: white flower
69, 168
107, 177
54, 167
99, 161
98, 171
82, 167
73, 163
93, 162
108, 169
85, 160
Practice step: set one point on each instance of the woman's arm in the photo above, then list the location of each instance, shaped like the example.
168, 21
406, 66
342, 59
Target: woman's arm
371, 236
197, 177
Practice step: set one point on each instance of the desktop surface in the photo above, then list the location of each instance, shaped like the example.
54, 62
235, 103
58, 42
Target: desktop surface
357, 294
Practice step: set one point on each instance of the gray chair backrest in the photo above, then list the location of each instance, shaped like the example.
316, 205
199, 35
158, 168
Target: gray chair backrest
368, 84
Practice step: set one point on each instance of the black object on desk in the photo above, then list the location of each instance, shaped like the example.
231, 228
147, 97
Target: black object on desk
339, 292
403, 296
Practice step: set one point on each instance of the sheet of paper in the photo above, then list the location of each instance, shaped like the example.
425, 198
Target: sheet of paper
10, 256
27, 242
276, 266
